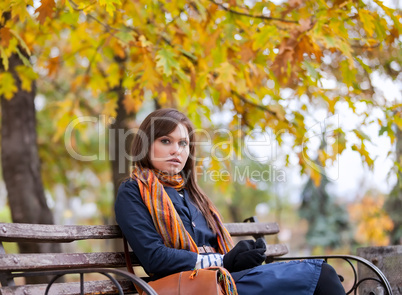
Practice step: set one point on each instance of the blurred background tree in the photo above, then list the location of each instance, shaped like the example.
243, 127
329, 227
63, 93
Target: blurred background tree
328, 221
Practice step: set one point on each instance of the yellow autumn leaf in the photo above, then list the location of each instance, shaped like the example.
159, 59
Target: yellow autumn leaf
226, 73
21, 42
144, 41
368, 21
241, 86
7, 85
4, 58
61, 125
129, 82
97, 83
64, 115
347, 50
113, 76
110, 107
12, 46
20, 10
150, 78
110, 5
27, 76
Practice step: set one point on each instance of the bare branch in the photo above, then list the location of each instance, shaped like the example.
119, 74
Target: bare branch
269, 18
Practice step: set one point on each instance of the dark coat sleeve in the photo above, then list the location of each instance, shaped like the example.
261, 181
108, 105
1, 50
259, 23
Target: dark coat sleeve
136, 224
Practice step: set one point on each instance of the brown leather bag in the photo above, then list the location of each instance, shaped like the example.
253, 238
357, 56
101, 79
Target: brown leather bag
198, 282
194, 282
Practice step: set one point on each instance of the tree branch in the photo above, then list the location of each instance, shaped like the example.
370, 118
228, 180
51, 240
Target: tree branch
258, 106
106, 26
254, 16
243, 117
366, 46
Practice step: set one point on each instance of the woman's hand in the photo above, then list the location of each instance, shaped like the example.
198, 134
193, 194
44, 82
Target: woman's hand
246, 254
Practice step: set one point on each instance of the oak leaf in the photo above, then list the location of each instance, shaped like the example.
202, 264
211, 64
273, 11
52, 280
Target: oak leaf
46, 10
150, 77
166, 60
110, 5
226, 75
368, 21
110, 107
20, 11
53, 66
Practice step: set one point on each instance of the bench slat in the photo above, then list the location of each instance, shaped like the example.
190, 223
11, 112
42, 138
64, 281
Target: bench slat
50, 261
250, 229
90, 287
21, 232
274, 250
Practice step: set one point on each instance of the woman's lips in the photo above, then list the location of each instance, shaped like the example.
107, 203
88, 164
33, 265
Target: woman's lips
175, 162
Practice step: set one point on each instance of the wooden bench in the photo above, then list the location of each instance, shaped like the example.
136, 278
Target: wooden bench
109, 264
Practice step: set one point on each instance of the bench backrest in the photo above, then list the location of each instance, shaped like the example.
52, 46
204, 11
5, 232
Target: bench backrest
39, 233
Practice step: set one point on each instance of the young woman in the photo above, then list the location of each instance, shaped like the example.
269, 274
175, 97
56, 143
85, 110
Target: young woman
172, 226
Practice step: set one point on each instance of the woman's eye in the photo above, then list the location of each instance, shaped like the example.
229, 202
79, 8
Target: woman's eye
183, 143
165, 141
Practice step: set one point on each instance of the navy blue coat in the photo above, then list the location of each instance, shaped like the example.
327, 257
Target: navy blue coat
136, 223
296, 277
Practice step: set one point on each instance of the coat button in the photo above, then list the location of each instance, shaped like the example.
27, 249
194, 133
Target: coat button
193, 223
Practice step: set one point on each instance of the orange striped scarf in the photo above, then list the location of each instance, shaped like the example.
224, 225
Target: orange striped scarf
165, 217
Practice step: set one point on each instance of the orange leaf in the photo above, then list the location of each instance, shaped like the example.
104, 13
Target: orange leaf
295, 3
133, 102
45, 10
246, 52
286, 53
306, 45
53, 65
5, 37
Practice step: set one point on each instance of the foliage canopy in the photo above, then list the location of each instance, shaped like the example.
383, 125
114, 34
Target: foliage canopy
271, 63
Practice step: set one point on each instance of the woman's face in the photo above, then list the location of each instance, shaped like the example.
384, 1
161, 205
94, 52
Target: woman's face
169, 153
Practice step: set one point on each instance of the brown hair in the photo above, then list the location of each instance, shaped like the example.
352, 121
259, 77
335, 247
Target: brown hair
160, 123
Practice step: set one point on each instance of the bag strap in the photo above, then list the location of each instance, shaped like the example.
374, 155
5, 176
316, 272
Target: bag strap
129, 265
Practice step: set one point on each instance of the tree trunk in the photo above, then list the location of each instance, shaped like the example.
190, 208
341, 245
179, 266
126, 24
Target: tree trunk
120, 139
120, 142
21, 164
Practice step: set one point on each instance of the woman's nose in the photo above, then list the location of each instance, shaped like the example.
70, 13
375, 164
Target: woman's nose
174, 149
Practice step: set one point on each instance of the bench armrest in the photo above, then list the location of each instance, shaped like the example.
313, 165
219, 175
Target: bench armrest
381, 279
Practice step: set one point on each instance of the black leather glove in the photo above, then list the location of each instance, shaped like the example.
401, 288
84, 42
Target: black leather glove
246, 254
